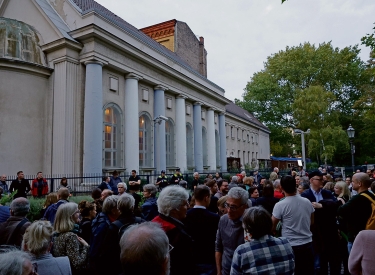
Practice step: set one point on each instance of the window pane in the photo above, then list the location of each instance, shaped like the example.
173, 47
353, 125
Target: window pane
107, 159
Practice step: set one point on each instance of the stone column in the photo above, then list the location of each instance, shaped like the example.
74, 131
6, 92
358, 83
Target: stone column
223, 143
198, 148
93, 119
131, 122
65, 136
159, 129
211, 139
181, 133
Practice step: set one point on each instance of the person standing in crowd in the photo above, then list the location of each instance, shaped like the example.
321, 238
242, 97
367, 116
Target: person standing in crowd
64, 184
39, 186
16, 262
356, 212
115, 179
110, 249
218, 176
230, 233
62, 196
254, 195
88, 213
177, 177
257, 177
12, 230
99, 227
134, 180
302, 187
21, 185
342, 192
38, 242
150, 206
248, 182
162, 180
145, 250
196, 180
66, 242
233, 183
277, 190
3, 184
221, 206
264, 253
121, 188
105, 183
296, 225
173, 204
4, 213
301, 172
201, 225
223, 189
213, 201
50, 199
348, 181
361, 259
268, 200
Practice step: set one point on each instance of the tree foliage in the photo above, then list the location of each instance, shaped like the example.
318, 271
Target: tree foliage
309, 86
368, 40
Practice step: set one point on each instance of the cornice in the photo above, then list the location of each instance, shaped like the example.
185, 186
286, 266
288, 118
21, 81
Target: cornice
61, 43
18, 65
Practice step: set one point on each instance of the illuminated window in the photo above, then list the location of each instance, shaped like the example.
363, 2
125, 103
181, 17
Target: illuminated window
112, 157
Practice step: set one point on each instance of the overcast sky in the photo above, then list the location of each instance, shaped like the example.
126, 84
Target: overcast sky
240, 34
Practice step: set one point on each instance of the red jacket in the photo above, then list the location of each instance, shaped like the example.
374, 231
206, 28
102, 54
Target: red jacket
34, 187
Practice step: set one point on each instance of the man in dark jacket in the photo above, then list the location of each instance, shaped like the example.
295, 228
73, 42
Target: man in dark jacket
62, 196
21, 185
105, 184
11, 231
3, 184
177, 177
149, 207
201, 225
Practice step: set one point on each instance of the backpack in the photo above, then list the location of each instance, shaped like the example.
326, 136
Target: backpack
122, 227
370, 225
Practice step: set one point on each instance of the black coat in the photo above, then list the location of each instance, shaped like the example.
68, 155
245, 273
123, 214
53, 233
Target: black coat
22, 188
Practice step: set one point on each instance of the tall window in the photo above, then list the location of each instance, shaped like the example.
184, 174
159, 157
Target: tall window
169, 142
145, 144
217, 145
189, 145
204, 145
112, 137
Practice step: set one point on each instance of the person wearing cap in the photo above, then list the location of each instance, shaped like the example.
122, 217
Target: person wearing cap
162, 180
176, 177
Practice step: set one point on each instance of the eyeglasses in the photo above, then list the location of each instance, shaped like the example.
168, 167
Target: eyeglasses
232, 207
319, 179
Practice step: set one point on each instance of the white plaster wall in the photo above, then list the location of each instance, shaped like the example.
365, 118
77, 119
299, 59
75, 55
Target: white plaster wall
22, 120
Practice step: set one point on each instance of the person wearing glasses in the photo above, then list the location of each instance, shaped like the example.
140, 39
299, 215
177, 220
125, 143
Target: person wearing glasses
173, 205
230, 233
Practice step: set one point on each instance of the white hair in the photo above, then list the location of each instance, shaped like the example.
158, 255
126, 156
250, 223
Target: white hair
125, 203
151, 188
171, 197
109, 204
234, 179
238, 193
12, 262
195, 173
123, 185
276, 184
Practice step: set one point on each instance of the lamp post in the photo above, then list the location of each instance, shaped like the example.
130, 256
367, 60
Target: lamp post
350, 131
298, 131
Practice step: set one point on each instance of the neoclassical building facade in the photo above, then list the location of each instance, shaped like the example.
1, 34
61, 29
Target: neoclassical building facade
85, 92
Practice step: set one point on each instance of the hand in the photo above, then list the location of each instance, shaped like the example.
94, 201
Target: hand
317, 205
82, 241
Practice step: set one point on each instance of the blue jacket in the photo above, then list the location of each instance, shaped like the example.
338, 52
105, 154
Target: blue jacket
4, 213
150, 209
113, 183
327, 195
99, 227
50, 213
4, 185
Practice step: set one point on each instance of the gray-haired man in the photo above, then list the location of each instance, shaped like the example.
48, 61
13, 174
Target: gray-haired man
230, 233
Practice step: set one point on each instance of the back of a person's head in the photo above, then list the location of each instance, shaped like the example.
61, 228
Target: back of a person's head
288, 183
20, 207
85, 207
238, 193
14, 262
109, 204
222, 201
125, 203
63, 221
234, 179
144, 250
257, 221
200, 192
268, 190
171, 197
63, 193
37, 237
51, 199
96, 193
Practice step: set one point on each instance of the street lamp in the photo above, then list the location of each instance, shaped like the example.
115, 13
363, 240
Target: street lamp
298, 131
350, 131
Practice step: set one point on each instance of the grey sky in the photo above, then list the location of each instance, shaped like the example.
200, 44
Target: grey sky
240, 34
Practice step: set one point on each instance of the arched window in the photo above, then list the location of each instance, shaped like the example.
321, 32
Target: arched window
204, 146
169, 143
112, 156
145, 141
189, 145
217, 146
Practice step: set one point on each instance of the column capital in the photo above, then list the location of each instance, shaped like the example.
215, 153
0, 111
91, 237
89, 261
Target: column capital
222, 113
198, 103
182, 96
161, 87
94, 60
211, 109
133, 76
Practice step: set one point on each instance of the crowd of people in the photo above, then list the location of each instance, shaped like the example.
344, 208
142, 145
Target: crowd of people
295, 224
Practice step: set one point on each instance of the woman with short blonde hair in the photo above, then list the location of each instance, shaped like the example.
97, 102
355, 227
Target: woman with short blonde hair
37, 240
66, 241
342, 192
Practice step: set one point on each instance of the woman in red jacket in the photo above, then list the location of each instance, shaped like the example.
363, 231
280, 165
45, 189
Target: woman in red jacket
39, 186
